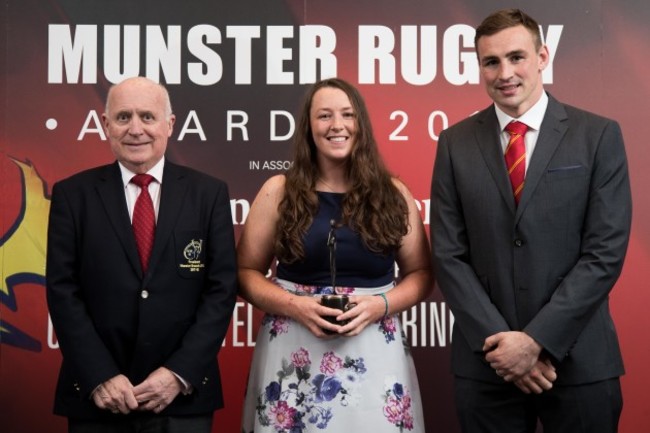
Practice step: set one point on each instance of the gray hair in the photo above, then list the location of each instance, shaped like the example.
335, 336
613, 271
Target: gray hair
165, 93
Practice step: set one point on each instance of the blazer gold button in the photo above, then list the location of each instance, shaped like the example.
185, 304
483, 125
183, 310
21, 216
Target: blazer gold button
144, 294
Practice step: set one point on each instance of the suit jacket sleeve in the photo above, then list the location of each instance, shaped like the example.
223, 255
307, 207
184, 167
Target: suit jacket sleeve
203, 339
476, 315
604, 239
79, 341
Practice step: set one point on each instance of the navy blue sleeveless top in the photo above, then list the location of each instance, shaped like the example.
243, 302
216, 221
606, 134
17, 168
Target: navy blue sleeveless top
356, 266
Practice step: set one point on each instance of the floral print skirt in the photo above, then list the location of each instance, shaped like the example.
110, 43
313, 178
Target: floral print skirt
299, 383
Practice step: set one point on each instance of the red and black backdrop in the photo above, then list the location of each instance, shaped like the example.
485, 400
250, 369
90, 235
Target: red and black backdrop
236, 72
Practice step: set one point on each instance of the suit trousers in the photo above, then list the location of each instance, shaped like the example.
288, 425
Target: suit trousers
502, 408
144, 424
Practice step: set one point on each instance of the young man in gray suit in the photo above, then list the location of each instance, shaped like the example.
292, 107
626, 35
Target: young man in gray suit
140, 318
528, 247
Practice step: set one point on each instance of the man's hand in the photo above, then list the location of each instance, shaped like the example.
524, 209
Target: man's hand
116, 395
512, 354
539, 379
158, 390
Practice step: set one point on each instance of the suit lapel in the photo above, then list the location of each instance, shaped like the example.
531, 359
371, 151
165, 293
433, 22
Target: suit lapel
553, 128
487, 138
111, 193
172, 191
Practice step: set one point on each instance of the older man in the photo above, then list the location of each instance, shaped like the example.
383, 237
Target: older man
141, 279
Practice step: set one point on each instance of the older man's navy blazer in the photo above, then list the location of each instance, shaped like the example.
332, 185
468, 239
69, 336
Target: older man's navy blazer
112, 319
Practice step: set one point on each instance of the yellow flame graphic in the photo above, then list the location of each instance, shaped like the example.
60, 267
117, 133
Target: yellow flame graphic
22, 251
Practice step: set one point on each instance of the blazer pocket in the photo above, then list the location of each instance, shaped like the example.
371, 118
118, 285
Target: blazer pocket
565, 172
190, 248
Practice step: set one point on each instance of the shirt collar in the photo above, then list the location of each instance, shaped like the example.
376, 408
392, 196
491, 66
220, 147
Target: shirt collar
533, 117
156, 171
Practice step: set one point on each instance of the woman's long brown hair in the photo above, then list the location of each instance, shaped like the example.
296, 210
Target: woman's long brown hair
373, 206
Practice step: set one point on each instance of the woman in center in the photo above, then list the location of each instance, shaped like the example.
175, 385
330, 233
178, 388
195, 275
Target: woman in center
337, 217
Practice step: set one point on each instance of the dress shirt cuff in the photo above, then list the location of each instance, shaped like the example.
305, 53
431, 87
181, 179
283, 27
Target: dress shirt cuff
187, 387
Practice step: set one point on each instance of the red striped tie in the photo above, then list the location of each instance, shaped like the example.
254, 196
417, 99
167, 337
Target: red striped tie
144, 219
516, 157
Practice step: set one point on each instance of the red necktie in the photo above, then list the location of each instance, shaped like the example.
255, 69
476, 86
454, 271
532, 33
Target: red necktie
516, 156
144, 219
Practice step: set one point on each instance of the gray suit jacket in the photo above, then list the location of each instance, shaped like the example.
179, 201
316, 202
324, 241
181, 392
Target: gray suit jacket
547, 266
